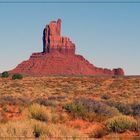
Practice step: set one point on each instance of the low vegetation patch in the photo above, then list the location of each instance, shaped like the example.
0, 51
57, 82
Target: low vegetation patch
57, 98
50, 106
124, 108
136, 108
97, 106
121, 124
11, 100
90, 110
5, 74
17, 76
45, 102
76, 110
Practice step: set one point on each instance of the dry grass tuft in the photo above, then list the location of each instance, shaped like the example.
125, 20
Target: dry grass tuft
37, 129
16, 129
98, 132
38, 112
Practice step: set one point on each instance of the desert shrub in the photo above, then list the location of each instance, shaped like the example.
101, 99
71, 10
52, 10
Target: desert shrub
98, 132
57, 98
92, 116
115, 76
136, 108
122, 107
17, 76
105, 97
113, 111
14, 100
77, 110
98, 107
121, 124
44, 102
90, 110
38, 112
5, 74
73, 107
126, 109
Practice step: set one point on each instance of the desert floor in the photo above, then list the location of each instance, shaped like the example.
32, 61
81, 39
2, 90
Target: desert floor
68, 106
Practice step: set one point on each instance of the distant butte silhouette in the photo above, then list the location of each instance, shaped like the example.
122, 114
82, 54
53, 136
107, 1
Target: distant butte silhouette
58, 57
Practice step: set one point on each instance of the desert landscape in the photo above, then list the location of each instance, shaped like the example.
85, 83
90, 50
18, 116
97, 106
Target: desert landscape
71, 107
58, 94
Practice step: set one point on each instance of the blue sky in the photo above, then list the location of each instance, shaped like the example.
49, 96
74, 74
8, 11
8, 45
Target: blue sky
107, 34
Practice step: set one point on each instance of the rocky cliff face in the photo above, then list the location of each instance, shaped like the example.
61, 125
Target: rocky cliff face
58, 57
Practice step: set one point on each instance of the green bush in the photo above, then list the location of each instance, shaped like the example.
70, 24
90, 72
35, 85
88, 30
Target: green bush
77, 110
5, 74
121, 124
17, 76
72, 107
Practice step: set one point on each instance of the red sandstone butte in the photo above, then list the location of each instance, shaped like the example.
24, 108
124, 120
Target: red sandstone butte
58, 57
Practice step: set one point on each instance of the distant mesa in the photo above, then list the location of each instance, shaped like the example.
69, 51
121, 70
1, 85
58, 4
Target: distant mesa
58, 57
